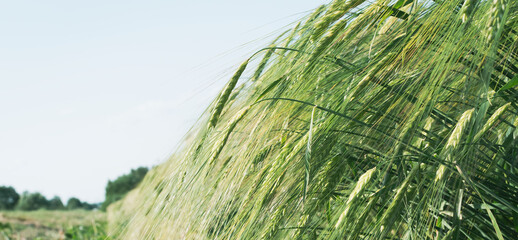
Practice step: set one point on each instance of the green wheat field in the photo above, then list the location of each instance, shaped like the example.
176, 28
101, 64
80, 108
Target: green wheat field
382, 119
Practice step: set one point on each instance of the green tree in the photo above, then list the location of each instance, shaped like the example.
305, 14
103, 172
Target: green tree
74, 203
32, 201
117, 189
90, 206
8, 198
55, 204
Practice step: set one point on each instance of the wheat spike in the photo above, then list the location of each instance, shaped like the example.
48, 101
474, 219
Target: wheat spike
496, 20
273, 227
387, 220
314, 15
361, 185
337, 10
467, 10
491, 121
303, 222
453, 142
228, 130
223, 98
456, 135
371, 74
359, 224
327, 39
439, 174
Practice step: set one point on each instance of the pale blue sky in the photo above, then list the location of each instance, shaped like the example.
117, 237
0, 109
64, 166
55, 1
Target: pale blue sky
91, 89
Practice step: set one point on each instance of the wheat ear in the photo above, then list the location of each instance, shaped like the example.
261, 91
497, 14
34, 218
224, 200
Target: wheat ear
223, 98
361, 185
453, 142
228, 130
389, 216
496, 20
491, 121
467, 10
335, 12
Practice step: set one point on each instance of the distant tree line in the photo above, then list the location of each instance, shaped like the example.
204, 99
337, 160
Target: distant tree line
27, 201
117, 189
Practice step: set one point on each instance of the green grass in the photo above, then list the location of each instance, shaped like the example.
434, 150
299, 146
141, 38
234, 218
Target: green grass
46, 224
424, 92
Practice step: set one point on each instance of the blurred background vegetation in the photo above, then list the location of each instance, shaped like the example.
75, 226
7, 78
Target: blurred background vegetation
30, 215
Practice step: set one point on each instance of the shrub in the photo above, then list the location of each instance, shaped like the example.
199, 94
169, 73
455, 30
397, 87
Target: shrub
32, 201
8, 198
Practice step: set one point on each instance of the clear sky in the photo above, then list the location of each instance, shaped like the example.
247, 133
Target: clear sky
92, 89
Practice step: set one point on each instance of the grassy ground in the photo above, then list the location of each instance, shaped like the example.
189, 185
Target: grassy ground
44, 224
